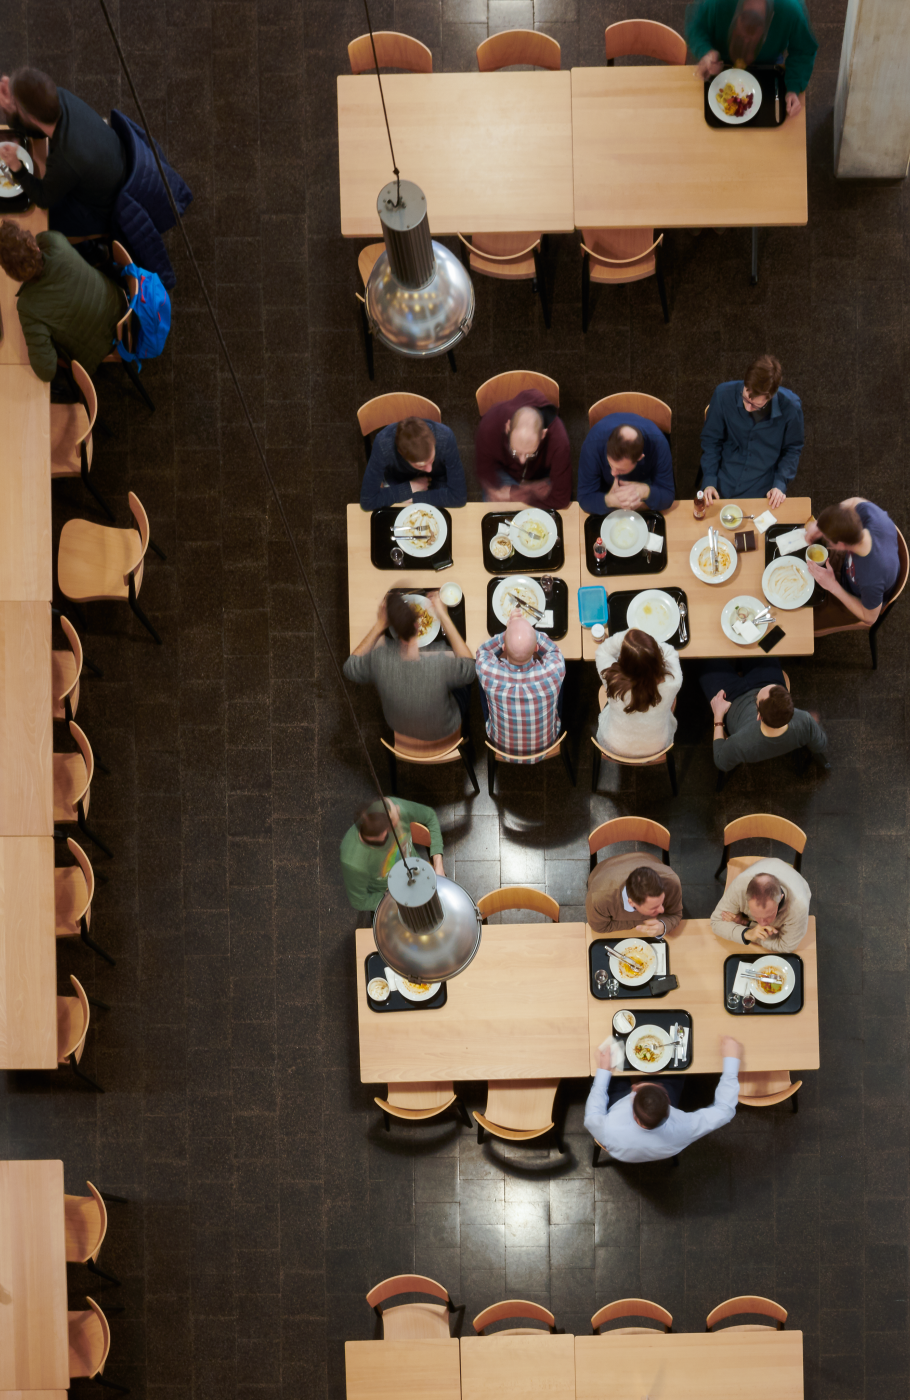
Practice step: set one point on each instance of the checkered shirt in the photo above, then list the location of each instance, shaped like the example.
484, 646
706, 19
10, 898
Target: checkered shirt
522, 699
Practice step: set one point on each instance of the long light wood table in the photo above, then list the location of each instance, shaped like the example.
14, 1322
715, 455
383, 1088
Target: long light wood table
518, 1011
34, 1350
367, 585
697, 958
706, 600
392, 1370
690, 1366
25, 485
26, 720
28, 954
513, 1368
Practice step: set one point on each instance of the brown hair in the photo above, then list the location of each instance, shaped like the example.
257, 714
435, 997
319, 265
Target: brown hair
765, 889
651, 1105
840, 524
372, 821
643, 883
637, 672
36, 93
20, 256
414, 439
627, 448
763, 376
777, 707
401, 615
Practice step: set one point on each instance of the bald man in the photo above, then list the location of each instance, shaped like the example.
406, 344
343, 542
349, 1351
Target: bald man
521, 674
522, 453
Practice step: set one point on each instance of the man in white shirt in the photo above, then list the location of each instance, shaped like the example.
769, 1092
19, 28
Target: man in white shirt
642, 1125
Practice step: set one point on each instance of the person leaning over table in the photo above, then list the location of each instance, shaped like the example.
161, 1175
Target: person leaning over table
521, 674
522, 453
414, 460
752, 437
736, 33
633, 891
640, 1121
754, 715
368, 848
625, 462
642, 678
769, 901
864, 566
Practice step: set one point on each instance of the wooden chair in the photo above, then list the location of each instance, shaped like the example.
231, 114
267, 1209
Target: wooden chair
71, 435
125, 327
420, 834
617, 256
392, 408
429, 751
872, 628
366, 260
629, 829
66, 668
518, 46
413, 1322
643, 38
89, 1345
645, 405
514, 1307
97, 562
392, 50
747, 1303
764, 1088
518, 1110
655, 760
760, 826
73, 774
85, 1223
558, 746
74, 890
631, 1307
518, 897
517, 257
417, 1102
503, 387
73, 1016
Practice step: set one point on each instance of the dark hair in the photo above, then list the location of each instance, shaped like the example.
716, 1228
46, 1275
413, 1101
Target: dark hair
777, 707
840, 524
37, 94
401, 615
372, 821
764, 888
20, 256
763, 376
651, 1105
637, 672
629, 448
643, 883
414, 439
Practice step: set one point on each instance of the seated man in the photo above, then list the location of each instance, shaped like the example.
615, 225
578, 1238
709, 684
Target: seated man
63, 302
769, 901
625, 461
369, 850
414, 460
85, 160
633, 891
754, 715
752, 437
522, 453
521, 673
865, 565
640, 1121
723, 33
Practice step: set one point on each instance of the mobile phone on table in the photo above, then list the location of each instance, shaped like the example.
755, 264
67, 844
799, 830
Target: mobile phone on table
771, 639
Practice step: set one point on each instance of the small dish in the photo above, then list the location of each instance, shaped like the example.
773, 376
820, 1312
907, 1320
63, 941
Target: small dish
451, 594
501, 547
731, 517
817, 554
378, 989
623, 1022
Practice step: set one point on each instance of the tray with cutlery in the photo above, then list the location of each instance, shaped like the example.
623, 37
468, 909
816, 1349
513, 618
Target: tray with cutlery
794, 998
456, 613
669, 1023
772, 535
555, 593
770, 78
518, 562
646, 561
619, 605
383, 541
599, 963
375, 973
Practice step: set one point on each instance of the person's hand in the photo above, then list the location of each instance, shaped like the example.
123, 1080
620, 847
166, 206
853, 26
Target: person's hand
438, 865
793, 104
711, 495
822, 573
812, 532
776, 498
435, 605
731, 1048
7, 102
651, 928
710, 65
9, 157
420, 483
763, 934
729, 918
720, 705
605, 1054
499, 493
626, 494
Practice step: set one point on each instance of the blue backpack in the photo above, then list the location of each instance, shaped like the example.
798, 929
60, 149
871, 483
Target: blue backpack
152, 320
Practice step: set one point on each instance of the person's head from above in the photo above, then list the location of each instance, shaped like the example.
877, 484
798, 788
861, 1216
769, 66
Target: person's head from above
637, 672
20, 256
775, 706
748, 29
841, 527
415, 442
519, 641
525, 431
764, 895
645, 892
650, 1105
402, 616
761, 382
35, 97
625, 447
372, 822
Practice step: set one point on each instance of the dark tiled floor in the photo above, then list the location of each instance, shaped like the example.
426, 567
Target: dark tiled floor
266, 1197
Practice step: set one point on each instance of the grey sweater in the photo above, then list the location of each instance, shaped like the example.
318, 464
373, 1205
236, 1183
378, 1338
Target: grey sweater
747, 744
416, 696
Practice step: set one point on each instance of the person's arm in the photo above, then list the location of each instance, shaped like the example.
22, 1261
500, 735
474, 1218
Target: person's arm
700, 28
59, 179
793, 443
817, 740
42, 353
824, 575
357, 878
454, 492
722, 1110
608, 651
454, 638
559, 457
713, 435
553, 661
416, 812
726, 751
373, 494
672, 903
730, 920
598, 910
372, 637
662, 493
802, 46
592, 485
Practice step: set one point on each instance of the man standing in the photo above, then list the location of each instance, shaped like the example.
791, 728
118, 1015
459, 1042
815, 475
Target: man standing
414, 460
754, 715
866, 564
521, 673
369, 849
522, 453
625, 461
728, 33
752, 437
636, 892
769, 901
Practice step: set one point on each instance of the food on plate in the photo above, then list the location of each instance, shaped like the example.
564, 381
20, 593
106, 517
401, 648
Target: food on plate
649, 1049
422, 521
7, 184
425, 619
533, 534
527, 605
724, 559
771, 980
787, 582
416, 987
656, 610
639, 951
501, 546
733, 101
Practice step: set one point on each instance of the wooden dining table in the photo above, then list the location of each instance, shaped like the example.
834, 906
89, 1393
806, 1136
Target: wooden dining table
690, 1365
26, 563
34, 1344
13, 349
497, 1367
402, 1370
26, 720
28, 954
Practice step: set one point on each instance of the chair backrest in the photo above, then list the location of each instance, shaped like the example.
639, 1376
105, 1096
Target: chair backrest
392, 408
503, 387
405, 1283
130, 286
525, 46
142, 524
646, 38
75, 646
513, 1307
904, 558
88, 757
102, 1213
420, 834
393, 50
767, 827
88, 395
64, 1052
645, 405
519, 897
88, 873
632, 1307
105, 1337
748, 1303
630, 829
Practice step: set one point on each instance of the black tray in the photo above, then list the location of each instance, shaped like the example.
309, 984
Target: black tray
520, 563
664, 1019
764, 117
558, 600
373, 966
20, 202
789, 1007
773, 533
637, 564
619, 604
381, 542
599, 961
456, 614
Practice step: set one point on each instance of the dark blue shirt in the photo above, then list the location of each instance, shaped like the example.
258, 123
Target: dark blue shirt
389, 478
742, 458
595, 478
871, 577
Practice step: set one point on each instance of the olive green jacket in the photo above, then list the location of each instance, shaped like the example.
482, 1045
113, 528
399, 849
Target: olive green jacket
71, 307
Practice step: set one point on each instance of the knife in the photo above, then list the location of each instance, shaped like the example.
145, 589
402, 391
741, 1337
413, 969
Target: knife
712, 544
776, 100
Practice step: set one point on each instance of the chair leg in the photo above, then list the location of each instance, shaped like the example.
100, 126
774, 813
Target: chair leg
94, 1269
84, 827
111, 1385
92, 488
137, 383
480, 1132
102, 1005
158, 550
144, 620
466, 760
83, 620
595, 1160
81, 1074
90, 943
658, 268
595, 779
393, 772
386, 1121
671, 769
542, 287
95, 670
585, 292
567, 763
795, 1102
450, 356
463, 1113
367, 339
721, 779
491, 772
121, 1200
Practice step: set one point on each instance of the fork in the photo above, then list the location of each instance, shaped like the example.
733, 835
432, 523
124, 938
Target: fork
525, 607
683, 629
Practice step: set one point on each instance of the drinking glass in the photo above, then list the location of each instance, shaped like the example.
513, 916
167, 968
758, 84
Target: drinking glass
733, 1000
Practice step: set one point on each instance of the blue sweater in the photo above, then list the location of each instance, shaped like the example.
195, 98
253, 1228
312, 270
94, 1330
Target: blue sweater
388, 476
595, 478
741, 458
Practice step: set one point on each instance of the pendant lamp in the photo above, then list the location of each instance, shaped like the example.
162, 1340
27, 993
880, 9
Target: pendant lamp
426, 927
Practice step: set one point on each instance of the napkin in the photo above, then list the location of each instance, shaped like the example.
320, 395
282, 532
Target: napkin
392, 979
793, 540
747, 630
617, 1051
762, 521
504, 527
655, 543
681, 1051
547, 619
741, 983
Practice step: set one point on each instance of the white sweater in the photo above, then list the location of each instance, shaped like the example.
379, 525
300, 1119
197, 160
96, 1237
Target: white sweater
641, 734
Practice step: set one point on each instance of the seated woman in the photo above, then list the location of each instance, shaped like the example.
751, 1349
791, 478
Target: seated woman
642, 678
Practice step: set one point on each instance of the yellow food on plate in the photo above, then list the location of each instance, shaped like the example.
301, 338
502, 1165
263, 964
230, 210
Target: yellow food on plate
418, 986
649, 1049
772, 980
724, 559
425, 618
628, 969
533, 534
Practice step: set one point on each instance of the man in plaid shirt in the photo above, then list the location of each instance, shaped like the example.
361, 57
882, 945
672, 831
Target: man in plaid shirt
521, 674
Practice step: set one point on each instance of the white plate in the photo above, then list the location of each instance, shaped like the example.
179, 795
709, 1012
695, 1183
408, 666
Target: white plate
654, 612
662, 1060
432, 632
726, 618
767, 582
743, 84
630, 530
402, 986
419, 517
646, 954
696, 550
530, 548
773, 998
504, 607
10, 191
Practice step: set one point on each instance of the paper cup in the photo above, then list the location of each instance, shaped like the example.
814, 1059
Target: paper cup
816, 554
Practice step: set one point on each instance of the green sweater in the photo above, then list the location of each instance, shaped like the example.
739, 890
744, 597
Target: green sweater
708, 25
365, 869
71, 306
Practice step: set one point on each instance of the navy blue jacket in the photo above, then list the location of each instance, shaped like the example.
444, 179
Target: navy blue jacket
388, 476
142, 211
741, 458
595, 478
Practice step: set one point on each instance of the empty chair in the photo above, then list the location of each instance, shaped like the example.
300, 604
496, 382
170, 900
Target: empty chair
97, 562
66, 668
630, 1307
392, 51
71, 435
644, 38
518, 897
557, 747
125, 327
872, 628
747, 1304
73, 1016
665, 756
760, 826
517, 257
392, 408
629, 829
527, 47
503, 387
366, 259
518, 1110
89, 1345
514, 1307
73, 774
413, 1321
85, 1223
455, 747
765, 1088
417, 1102
74, 889
617, 256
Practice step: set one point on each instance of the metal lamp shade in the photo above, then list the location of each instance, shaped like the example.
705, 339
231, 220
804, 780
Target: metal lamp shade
427, 928
419, 297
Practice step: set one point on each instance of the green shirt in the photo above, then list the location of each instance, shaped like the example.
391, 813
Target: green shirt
708, 26
365, 868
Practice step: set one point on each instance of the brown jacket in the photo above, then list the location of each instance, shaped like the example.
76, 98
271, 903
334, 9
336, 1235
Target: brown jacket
604, 907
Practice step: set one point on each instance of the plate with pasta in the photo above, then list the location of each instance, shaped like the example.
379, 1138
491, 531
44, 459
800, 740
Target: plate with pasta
700, 560
770, 988
427, 624
735, 96
423, 520
628, 973
510, 594
647, 1048
787, 583
533, 532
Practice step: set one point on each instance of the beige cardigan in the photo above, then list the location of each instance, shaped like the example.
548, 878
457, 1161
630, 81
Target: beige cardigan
792, 918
